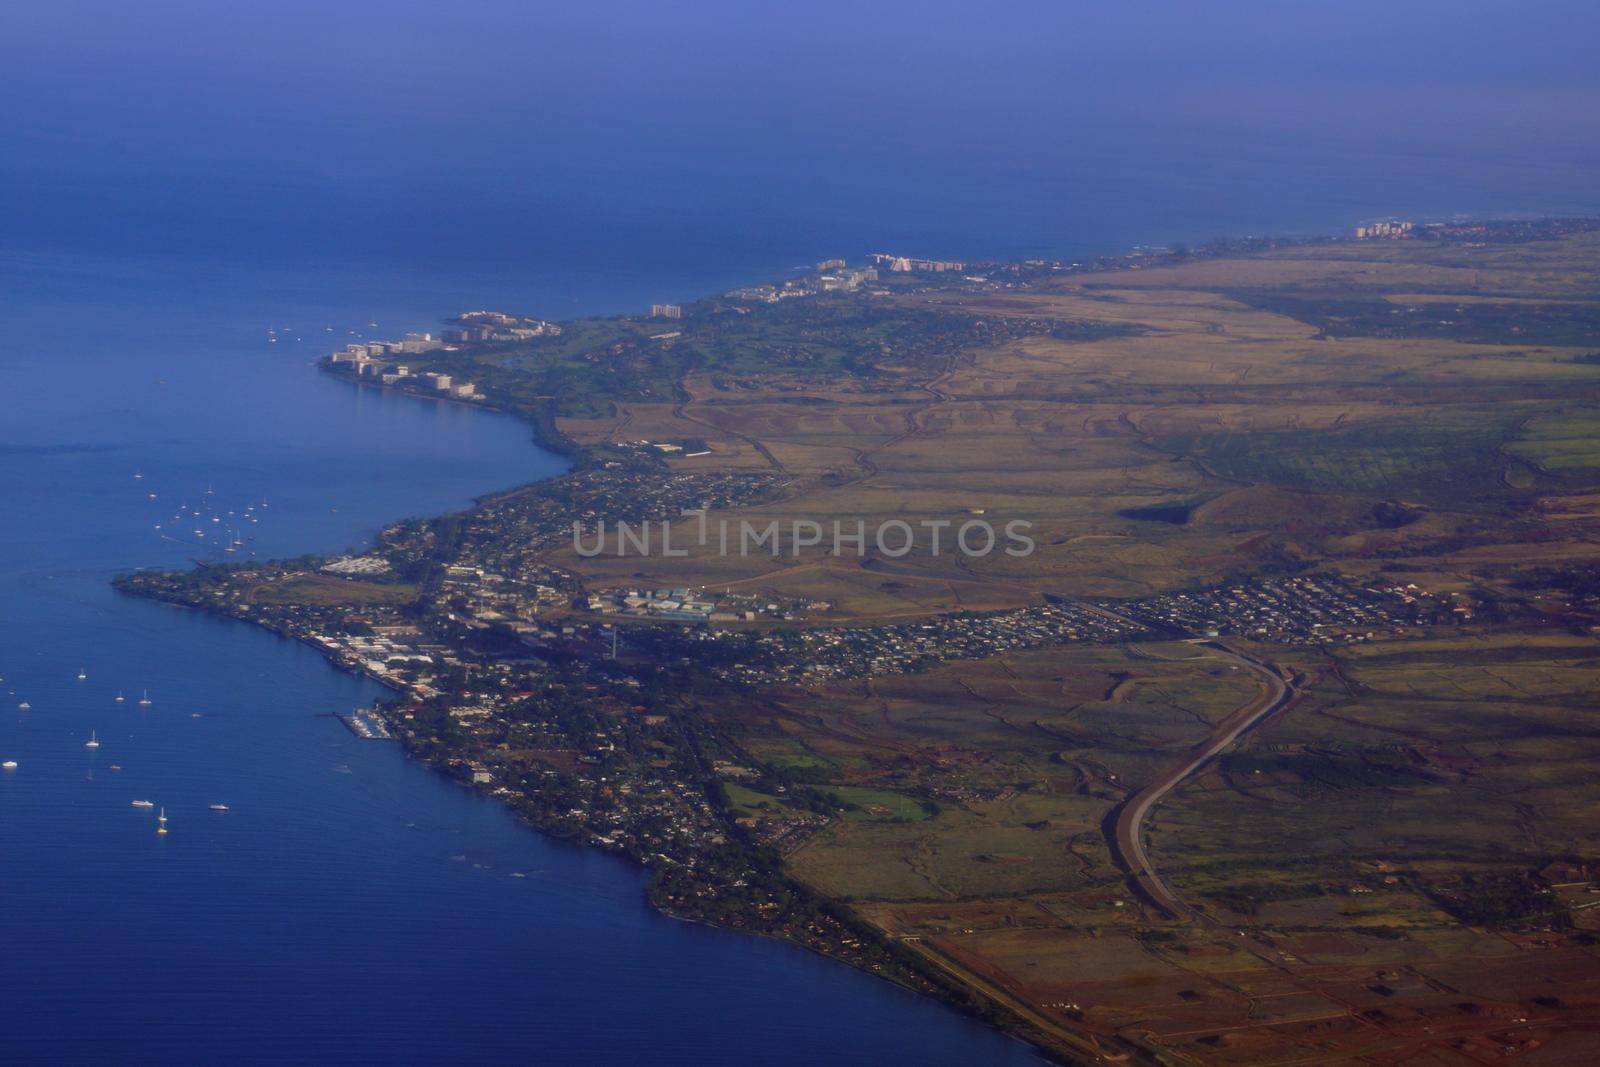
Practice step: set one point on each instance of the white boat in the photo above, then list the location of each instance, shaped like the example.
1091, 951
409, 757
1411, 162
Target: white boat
219, 807
161, 822
119, 696
93, 742
24, 706
146, 698
82, 674
144, 803
9, 765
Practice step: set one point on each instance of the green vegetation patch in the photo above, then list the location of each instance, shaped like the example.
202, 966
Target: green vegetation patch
1448, 455
1500, 899
596, 362
1564, 443
878, 805
749, 801
1475, 321
1333, 769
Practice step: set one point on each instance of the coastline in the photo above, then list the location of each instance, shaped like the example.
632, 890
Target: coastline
921, 980
913, 974
548, 435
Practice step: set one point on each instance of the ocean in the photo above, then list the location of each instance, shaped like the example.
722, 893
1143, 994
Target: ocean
181, 183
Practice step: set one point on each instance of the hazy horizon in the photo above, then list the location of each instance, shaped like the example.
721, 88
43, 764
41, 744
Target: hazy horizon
492, 133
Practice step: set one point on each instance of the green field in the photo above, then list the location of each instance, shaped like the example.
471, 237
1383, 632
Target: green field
1446, 455
1564, 443
747, 801
877, 805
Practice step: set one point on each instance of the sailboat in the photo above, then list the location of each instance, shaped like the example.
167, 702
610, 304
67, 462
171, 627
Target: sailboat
82, 674
161, 822
93, 742
145, 700
119, 696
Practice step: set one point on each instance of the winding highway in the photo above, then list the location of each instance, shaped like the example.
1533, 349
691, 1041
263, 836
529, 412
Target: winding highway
1128, 831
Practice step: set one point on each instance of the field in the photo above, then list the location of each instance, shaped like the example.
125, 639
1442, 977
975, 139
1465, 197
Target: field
1373, 868
1400, 865
1019, 758
1562, 443
1282, 440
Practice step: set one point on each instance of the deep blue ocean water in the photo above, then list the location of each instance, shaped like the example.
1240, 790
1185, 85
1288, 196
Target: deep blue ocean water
177, 179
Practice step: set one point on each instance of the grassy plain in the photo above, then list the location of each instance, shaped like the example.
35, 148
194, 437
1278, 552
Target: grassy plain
1282, 436
1403, 865
1374, 867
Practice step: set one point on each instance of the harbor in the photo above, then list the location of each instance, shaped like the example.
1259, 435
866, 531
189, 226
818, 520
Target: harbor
367, 725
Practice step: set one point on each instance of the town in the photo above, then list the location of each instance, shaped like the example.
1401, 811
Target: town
817, 654
1295, 611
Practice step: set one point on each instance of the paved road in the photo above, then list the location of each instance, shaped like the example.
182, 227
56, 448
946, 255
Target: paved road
1128, 834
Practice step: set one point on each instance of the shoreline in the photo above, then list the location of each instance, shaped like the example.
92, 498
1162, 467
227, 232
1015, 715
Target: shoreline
1012, 1026
938, 984
547, 435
